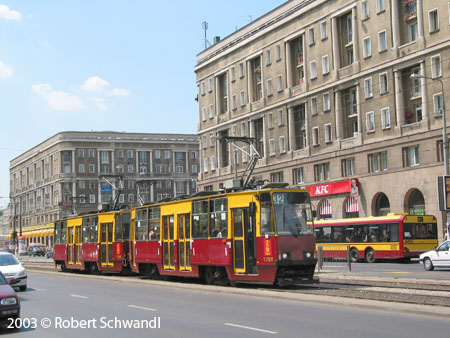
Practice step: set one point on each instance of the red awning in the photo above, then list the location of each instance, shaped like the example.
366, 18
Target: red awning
351, 205
325, 208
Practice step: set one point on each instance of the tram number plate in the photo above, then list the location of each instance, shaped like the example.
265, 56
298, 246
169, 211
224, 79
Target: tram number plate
268, 259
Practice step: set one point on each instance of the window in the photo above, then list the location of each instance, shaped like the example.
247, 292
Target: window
211, 111
298, 175
82, 199
385, 118
370, 121
194, 169
222, 84
213, 163
205, 164
377, 162
120, 153
325, 65
142, 157
211, 140
323, 30
210, 84
313, 105
179, 169
82, 184
326, 102
244, 154
91, 153
256, 80
433, 20
282, 145
130, 153
81, 168
279, 83
367, 49
384, 87
104, 157
104, 168
203, 88
322, 172
203, 114
410, 156
194, 155
269, 87
313, 70
436, 66
92, 198
158, 169
241, 70
167, 154
233, 74
412, 31
268, 58
242, 98
348, 167
382, 43
233, 102
438, 103
311, 38
130, 169
243, 129
278, 52
80, 153
315, 136
280, 117
368, 89
380, 6
91, 184
270, 121
272, 147
328, 134
277, 177
365, 13
91, 168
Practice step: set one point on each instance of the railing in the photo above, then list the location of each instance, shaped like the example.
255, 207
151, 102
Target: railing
335, 256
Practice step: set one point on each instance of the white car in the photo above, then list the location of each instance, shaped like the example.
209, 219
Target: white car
13, 269
439, 257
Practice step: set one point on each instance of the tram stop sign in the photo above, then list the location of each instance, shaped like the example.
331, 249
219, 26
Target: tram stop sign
444, 193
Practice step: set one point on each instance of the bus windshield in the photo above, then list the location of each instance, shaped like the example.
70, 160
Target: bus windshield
420, 230
292, 212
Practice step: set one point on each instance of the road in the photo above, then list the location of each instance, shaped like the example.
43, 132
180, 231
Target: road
68, 299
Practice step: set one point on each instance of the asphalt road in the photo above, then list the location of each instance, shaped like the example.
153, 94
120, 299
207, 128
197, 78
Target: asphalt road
102, 307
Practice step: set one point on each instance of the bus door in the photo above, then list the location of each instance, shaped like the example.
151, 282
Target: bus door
168, 243
77, 244
243, 241
106, 243
70, 242
184, 242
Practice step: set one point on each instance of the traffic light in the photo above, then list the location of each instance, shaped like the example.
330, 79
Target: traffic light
444, 193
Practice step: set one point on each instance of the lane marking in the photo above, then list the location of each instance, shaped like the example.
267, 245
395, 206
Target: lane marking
398, 272
40, 289
78, 296
142, 308
250, 328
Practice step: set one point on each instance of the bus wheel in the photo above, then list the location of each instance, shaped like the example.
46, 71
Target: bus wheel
354, 256
427, 264
370, 256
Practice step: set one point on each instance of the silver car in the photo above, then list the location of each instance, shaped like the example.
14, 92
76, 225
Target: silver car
439, 257
13, 269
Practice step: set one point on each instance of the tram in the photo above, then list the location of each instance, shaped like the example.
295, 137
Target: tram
261, 236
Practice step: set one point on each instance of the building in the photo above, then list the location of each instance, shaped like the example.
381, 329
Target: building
325, 90
75, 172
4, 227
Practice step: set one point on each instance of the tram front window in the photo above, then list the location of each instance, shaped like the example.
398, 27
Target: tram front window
292, 213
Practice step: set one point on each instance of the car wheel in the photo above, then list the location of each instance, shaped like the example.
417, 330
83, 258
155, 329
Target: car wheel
370, 256
23, 288
427, 264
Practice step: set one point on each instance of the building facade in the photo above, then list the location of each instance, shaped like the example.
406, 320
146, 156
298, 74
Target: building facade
325, 90
75, 172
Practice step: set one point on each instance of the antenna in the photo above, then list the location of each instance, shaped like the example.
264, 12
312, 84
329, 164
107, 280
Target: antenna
205, 28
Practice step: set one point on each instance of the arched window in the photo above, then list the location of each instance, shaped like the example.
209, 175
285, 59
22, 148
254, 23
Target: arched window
325, 209
351, 208
382, 205
416, 204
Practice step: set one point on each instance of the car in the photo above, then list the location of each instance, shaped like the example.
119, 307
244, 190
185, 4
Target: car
437, 258
9, 302
6, 250
12, 269
37, 251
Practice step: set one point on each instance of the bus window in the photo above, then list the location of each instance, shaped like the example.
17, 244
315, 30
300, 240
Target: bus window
218, 216
267, 224
154, 224
200, 219
86, 230
420, 230
141, 224
118, 233
349, 234
336, 235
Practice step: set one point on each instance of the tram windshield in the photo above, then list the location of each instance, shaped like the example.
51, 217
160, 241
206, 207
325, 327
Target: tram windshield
292, 213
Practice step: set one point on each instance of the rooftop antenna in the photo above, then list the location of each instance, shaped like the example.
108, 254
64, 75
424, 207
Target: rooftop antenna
205, 28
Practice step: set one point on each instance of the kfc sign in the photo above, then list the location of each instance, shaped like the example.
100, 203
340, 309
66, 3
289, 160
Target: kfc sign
333, 188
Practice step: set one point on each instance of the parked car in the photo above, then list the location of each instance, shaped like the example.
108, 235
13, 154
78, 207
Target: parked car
439, 257
9, 302
37, 251
6, 250
12, 269
49, 253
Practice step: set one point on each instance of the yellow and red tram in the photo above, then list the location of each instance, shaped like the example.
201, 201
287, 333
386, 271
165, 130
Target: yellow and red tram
254, 236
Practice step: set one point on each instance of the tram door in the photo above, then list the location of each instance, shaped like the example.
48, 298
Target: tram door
70, 244
77, 244
243, 242
106, 243
184, 242
168, 243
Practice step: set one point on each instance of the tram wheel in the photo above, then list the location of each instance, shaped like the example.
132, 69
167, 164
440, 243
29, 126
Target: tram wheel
370, 256
209, 275
63, 267
354, 255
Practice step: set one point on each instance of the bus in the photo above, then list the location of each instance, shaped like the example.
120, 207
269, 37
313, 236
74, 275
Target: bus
251, 236
395, 236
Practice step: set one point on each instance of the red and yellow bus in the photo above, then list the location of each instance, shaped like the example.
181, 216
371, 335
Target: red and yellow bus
251, 236
395, 236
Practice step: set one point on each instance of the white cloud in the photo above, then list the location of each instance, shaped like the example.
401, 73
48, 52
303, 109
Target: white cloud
5, 71
8, 14
58, 100
95, 84
100, 103
120, 92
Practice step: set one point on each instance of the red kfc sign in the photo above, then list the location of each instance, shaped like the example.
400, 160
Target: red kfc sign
332, 188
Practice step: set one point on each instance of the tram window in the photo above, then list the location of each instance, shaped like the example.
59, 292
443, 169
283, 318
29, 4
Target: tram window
267, 224
154, 224
57, 232
63, 232
141, 224
200, 219
126, 226
94, 229
86, 230
218, 217
118, 235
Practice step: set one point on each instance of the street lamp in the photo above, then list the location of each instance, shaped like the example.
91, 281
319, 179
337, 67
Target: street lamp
444, 120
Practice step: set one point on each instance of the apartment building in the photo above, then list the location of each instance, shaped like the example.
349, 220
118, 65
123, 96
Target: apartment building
75, 172
325, 90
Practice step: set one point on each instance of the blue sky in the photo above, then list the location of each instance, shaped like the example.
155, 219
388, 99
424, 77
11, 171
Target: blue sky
104, 65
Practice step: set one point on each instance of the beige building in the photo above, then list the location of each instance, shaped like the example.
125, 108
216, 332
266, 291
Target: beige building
75, 172
325, 89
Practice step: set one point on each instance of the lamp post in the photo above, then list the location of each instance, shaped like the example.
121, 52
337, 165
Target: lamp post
444, 120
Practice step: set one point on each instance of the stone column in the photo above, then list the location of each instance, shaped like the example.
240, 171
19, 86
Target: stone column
336, 53
399, 101
420, 26
291, 128
339, 115
423, 93
395, 27
288, 65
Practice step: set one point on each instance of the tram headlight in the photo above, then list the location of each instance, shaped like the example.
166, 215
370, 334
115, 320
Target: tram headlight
308, 254
283, 255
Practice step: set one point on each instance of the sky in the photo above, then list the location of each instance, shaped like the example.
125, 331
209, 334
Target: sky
121, 65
